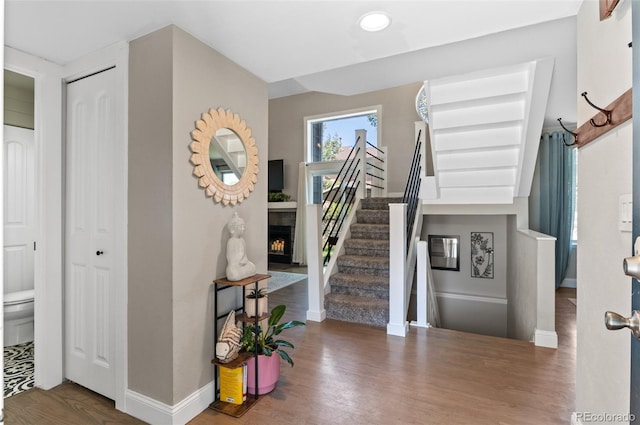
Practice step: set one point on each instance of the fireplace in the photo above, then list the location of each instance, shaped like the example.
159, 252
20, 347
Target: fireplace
280, 244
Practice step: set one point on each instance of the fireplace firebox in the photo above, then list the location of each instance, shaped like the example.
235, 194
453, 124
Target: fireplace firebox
280, 244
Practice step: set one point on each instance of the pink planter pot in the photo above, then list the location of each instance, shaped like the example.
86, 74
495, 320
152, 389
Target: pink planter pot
268, 374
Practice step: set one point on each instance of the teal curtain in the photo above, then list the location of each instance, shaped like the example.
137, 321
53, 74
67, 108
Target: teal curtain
557, 194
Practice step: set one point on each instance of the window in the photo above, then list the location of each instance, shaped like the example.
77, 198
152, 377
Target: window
331, 137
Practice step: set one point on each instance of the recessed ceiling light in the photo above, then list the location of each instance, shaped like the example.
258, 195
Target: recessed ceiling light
374, 21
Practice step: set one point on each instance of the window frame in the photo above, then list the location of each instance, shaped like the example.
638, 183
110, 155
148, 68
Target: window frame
310, 120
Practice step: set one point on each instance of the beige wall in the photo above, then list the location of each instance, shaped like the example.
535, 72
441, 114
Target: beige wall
286, 128
203, 79
186, 247
150, 311
603, 358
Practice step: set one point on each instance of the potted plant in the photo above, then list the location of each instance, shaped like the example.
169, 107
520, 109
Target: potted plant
278, 197
268, 364
250, 302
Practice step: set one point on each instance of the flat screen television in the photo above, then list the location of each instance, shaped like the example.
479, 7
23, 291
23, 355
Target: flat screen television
276, 175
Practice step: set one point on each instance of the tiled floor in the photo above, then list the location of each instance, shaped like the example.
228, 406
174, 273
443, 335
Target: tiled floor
18, 368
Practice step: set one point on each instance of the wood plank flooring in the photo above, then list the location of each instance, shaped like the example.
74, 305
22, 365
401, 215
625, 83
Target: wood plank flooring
68, 404
355, 374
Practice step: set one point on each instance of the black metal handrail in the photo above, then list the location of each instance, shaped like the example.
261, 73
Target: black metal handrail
412, 190
349, 160
337, 205
377, 167
343, 191
378, 149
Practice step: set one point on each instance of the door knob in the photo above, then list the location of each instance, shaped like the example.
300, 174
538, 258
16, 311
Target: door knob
99, 252
631, 266
614, 321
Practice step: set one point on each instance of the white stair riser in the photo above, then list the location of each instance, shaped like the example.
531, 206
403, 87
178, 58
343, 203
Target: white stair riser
490, 137
479, 88
485, 114
485, 159
477, 178
483, 195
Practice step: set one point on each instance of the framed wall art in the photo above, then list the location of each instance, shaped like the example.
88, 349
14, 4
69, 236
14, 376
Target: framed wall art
482, 255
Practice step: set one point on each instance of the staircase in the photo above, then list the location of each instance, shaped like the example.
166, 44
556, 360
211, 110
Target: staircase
484, 130
360, 289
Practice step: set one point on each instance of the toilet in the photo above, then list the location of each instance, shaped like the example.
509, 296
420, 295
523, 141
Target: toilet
18, 317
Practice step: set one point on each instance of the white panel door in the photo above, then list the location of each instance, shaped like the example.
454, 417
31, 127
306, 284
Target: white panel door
89, 233
19, 208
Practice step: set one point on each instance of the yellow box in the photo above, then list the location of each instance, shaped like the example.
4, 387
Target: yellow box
231, 381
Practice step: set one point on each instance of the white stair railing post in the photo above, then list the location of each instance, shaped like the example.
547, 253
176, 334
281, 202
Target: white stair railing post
361, 137
398, 324
316, 311
422, 301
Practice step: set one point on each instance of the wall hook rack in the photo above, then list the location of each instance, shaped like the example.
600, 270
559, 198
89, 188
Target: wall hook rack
574, 134
606, 112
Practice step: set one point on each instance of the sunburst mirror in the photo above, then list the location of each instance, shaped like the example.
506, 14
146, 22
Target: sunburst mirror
224, 156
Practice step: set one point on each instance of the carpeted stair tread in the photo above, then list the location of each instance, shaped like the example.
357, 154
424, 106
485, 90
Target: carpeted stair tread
369, 247
369, 231
364, 261
372, 216
378, 203
368, 282
370, 311
363, 265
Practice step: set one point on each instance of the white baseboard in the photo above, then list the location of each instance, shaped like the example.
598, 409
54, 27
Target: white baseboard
156, 412
398, 329
316, 316
569, 282
545, 339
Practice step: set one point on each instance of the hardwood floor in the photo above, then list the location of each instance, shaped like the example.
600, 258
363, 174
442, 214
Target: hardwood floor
67, 404
347, 373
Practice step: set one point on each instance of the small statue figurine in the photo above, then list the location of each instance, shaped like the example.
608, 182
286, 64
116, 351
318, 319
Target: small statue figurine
238, 265
228, 343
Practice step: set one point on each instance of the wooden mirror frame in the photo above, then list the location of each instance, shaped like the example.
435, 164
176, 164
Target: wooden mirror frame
206, 128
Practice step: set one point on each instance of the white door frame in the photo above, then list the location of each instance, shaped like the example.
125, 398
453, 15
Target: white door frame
48, 256
49, 316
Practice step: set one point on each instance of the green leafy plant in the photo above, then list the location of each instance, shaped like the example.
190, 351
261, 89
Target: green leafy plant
267, 342
260, 293
278, 197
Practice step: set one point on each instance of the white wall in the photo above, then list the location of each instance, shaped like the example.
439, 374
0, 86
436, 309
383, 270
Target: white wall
604, 169
521, 291
531, 286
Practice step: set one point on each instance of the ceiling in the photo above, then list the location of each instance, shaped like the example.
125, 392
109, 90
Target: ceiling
300, 46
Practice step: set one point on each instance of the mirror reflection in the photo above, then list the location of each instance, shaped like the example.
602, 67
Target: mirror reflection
444, 252
228, 156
